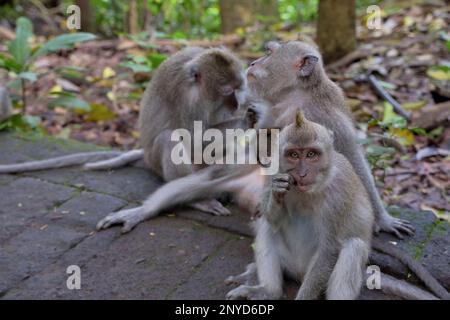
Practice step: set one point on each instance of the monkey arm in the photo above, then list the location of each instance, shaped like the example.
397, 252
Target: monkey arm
271, 208
316, 279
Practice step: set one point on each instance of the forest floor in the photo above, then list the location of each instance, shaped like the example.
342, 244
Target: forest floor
48, 218
410, 56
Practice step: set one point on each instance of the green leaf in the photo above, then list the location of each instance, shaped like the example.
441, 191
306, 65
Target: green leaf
439, 73
414, 105
19, 47
9, 64
20, 122
136, 67
390, 118
63, 41
99, 112
70, 102
30, 76
156, 59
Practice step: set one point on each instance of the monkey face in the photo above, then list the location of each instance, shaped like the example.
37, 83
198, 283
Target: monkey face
305, 166
283, 66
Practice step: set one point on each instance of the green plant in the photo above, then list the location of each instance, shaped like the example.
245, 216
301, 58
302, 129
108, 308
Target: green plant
20, 57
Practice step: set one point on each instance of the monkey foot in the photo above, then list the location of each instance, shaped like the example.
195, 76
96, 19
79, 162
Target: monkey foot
244, 278
128, 218
211, 206
395, 226
246, 292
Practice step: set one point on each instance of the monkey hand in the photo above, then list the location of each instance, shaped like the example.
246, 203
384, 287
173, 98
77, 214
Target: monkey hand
280, 185
128, 218
389, 224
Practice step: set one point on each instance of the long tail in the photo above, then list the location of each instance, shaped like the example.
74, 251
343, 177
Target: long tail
59, 162
415, 266
116, 162
400, 288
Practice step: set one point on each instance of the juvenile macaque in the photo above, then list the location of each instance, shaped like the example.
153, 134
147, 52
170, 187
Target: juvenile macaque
316, 220
291, 76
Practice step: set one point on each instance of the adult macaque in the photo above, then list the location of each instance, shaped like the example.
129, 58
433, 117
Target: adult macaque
194, 84
316, 220
291, 76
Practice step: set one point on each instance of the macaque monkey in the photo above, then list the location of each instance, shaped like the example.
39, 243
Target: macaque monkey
195, 84
5, 104
292, 75
316, 220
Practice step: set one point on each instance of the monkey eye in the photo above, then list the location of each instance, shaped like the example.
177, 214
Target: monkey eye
268, 52
294, 154
311, 154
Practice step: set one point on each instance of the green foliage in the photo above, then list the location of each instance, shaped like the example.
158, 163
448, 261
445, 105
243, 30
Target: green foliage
294, 11
19, 122
144, 64
69, 101
21, 55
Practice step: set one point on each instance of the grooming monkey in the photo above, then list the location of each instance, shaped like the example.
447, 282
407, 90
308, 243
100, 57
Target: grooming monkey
195, 84
316, 225
292, 75
316, 220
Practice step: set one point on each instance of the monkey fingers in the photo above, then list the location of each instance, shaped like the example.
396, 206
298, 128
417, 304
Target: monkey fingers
248, 293
129, 218
212, 206
396, 226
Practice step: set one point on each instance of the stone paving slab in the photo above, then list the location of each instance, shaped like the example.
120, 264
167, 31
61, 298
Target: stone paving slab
47, 222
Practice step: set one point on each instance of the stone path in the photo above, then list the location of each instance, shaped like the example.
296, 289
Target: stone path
47, 223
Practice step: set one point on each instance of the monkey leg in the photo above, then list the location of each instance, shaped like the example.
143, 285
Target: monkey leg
248, 277
200, 185
346, 279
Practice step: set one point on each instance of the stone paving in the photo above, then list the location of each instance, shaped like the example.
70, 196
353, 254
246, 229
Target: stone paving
48, 218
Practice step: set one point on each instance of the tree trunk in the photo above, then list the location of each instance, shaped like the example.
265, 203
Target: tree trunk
133, 17
241, 13
336, 28
87, 15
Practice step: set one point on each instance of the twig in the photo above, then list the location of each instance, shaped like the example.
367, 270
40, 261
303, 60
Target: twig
373, 81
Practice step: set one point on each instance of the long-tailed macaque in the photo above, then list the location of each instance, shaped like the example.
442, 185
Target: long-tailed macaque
291, 75
316, 225
316, 220
195, 84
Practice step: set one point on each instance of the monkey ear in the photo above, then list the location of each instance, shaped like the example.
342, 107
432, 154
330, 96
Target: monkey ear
194, 73
306, 65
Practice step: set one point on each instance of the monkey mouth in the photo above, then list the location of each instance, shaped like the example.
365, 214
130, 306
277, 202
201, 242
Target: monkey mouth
301, 186
250, 76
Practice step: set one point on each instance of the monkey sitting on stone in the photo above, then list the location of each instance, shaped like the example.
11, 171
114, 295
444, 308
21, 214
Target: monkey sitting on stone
316, 220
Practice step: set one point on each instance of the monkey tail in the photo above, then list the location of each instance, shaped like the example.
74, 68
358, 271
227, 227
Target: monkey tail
400, 288
415, 266
59, 162
116, 162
